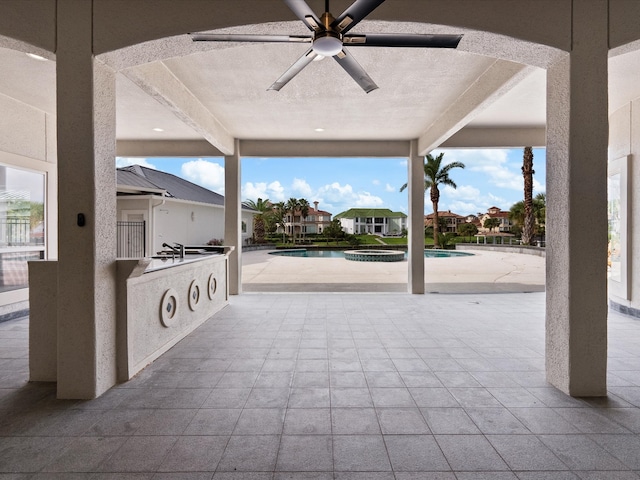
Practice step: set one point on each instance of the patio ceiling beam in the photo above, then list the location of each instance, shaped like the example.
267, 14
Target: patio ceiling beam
156, 80
497, 137
166, 148
326, 148
495, 82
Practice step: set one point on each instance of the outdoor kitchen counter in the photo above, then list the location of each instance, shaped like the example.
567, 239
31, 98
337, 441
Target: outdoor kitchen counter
161, 300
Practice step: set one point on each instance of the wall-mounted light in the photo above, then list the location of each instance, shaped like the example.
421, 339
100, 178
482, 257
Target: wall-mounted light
193, 216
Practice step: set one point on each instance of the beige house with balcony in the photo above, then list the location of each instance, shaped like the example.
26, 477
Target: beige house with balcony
452, 220
495, 212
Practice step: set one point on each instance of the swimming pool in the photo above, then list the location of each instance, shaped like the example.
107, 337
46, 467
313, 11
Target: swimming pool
301, 252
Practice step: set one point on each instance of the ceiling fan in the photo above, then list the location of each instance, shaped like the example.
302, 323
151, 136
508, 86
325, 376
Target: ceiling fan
330, 36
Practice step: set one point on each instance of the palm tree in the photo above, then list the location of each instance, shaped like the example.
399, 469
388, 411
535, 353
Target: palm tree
304, 207
435, 174
540, 211
516, 213
291, 206
279, 213
529, 219
517, 217
264, 207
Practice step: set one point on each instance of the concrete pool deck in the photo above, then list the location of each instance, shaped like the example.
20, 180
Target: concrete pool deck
484, 272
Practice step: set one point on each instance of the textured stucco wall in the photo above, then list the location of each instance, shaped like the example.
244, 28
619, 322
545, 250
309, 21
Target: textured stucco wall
142, 337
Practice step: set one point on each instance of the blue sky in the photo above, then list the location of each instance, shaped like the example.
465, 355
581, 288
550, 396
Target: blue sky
492, 177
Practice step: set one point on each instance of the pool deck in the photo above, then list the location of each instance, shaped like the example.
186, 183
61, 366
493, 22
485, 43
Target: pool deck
484, 272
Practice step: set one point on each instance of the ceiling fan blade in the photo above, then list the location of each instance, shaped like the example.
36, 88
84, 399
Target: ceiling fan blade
402, 40
355, 70
295, 69
221, 37
304, 13
356, 12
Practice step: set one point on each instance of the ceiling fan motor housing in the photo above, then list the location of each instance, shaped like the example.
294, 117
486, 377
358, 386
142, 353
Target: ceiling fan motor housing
327, 43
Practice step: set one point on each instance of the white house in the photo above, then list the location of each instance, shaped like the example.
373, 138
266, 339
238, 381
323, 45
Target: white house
173, 210
379, 221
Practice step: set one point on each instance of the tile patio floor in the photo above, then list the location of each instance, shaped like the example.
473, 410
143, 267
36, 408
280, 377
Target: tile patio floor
335, 386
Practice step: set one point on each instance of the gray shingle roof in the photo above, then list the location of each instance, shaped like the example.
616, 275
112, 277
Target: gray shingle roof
132, 179
176, 187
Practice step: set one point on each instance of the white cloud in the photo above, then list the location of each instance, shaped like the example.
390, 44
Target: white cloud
207, 174
342, 197
471, 207
126, 161
468, 199
273, 191
389, 188
376, 182
465, 192
491, 162
276, 191
365, 199
302, 187
254, 191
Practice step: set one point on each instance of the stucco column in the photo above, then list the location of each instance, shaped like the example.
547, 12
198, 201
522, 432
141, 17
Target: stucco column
576, 258
233, 219
416, 220
87, 209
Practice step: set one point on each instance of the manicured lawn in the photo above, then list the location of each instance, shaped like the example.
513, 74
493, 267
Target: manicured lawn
368, 239
394, 240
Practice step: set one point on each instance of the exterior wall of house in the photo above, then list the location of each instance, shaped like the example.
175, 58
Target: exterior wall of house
624, 151
396, 225
373, 225
348, 224
179, 221
193, 224
27, 143
505, 223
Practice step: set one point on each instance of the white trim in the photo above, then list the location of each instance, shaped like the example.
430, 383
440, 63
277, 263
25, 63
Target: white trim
622, 288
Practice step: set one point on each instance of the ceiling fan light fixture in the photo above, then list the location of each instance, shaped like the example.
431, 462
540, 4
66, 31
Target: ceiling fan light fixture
327, 45
36, 57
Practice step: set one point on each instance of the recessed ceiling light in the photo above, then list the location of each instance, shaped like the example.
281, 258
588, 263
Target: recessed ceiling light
157, 129
319, 130
36, 57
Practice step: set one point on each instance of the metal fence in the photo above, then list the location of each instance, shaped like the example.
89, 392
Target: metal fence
131, 239
16, 231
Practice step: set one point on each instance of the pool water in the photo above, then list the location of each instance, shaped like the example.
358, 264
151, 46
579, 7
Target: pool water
310, 253
340, 253
445, 253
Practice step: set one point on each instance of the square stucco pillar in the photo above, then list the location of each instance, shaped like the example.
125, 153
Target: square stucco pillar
233, 218
576, 258
87, 209
416, 220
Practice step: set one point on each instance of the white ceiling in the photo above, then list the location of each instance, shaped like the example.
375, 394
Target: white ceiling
226, 86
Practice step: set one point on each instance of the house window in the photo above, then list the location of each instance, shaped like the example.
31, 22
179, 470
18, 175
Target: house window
244, 227
379, 220
22, 228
